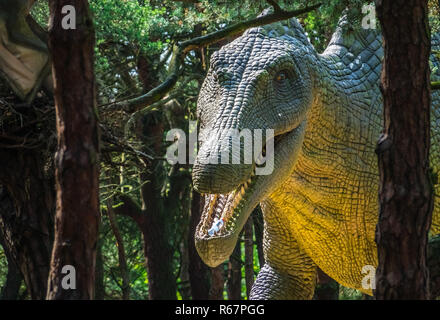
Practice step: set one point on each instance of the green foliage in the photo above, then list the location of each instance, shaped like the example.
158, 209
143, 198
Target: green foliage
349, 294
135, 260
40, 12
320, 24
3, 267
129, 23
434, 15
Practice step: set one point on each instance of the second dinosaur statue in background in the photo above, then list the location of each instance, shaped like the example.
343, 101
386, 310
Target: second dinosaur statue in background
24, 58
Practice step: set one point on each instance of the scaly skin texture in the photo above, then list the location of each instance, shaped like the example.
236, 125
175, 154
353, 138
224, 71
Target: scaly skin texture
320, 204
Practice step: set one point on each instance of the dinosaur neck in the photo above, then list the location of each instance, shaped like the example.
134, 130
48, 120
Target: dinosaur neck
337, 168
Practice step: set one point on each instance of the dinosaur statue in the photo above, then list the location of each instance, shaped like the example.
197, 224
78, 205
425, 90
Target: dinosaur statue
320, 203
24, 58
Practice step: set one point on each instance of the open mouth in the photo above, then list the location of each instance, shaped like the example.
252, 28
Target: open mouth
222, 211
225, 214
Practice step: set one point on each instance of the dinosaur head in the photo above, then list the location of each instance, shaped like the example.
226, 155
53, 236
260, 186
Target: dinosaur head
257, 83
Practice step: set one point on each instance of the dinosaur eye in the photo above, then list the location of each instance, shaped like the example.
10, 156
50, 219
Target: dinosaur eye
281, 76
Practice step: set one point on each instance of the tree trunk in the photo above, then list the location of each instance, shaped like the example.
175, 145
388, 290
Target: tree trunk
99, 272
326, 287
234, 273
405, 195
185, 285
27, 206
155, 229
158, 252
217, 283
257, 218
156, 213
77, 158
249, 255
198, 271
121, 252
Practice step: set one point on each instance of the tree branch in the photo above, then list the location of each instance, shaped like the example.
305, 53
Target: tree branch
129, 209
275, 5
435, 85
121, 251
180, 51
240, 27
41, 33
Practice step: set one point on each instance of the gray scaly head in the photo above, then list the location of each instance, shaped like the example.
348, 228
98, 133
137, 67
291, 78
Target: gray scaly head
262, 80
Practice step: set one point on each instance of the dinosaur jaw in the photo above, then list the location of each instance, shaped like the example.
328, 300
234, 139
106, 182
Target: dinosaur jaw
224, 215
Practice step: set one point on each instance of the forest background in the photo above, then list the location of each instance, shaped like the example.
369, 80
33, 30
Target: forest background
149, 209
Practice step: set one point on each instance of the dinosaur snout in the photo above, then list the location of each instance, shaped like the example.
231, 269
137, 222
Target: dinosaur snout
219, 178
220, 166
